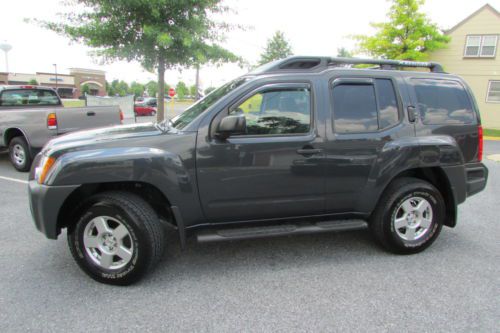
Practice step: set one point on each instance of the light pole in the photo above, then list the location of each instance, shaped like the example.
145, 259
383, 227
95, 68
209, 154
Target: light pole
4, 46
55, 69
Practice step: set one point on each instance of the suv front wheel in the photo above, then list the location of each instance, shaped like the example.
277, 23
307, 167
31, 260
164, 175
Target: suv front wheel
409, 216
117, 239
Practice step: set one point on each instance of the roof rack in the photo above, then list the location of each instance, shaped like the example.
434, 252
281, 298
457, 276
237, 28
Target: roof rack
321, 63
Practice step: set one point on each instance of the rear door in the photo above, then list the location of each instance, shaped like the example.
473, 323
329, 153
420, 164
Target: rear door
73, 119
445, 107
366, 115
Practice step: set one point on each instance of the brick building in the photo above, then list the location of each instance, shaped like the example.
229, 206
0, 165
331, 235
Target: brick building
68, 85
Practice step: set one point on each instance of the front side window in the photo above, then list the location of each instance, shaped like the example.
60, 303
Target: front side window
481, 46
443, 102
186, 117
26, 97
277, 111
364, 107
493, 92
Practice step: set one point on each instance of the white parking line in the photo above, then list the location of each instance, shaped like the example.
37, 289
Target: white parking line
14, 180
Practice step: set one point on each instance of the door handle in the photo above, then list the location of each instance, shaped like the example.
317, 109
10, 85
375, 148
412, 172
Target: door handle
91, 113
309, 151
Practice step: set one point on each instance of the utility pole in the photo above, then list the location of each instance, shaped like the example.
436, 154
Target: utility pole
55, 69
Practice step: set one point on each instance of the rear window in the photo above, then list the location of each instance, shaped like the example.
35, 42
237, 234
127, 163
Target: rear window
28, 97
443, 102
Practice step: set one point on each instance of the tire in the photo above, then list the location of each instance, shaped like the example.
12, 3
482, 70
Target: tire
117, 239
409, 216
153, 113
19, 154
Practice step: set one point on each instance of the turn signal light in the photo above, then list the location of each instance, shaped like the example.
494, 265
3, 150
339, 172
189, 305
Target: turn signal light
52, 121
44, 168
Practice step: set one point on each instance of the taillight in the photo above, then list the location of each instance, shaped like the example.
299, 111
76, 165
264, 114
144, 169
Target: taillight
480, 143
52, 121
121, 117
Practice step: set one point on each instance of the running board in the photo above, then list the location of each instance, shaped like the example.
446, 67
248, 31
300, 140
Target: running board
278, 230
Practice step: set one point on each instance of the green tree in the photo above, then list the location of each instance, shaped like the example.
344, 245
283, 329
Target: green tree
209, 90
408, 35
152, 88
33, 82
159, 34
109, 89
192, 91
85, 90
344, 53
137, 89
181, 90
277, 48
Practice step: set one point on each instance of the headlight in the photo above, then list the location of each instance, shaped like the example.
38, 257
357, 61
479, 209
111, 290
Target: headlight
43, 168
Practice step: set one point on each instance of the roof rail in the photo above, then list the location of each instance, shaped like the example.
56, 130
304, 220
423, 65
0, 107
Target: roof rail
321, 63
388, 64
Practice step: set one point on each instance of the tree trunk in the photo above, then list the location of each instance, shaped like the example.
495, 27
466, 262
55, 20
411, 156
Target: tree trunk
197, 95
160, 112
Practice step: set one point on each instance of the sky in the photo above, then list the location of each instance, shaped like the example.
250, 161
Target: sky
313, 27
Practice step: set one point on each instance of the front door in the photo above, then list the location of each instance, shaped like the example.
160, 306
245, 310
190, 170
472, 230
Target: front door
275, 170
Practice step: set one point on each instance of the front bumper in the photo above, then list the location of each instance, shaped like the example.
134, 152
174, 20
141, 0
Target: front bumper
45, 204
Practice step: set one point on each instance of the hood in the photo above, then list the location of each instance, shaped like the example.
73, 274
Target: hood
100, 136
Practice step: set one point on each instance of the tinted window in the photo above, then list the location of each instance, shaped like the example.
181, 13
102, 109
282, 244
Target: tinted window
387, 103
24, 97
277, 111
355, 108
443, 102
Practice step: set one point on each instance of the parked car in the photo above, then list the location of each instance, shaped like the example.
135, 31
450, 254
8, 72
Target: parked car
301, 145
31, 115
144, 109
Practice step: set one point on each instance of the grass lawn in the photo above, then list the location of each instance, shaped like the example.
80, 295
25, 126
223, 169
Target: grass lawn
491, 132
73, 103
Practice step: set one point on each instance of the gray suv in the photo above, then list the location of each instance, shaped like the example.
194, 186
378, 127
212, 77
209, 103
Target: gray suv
301, 145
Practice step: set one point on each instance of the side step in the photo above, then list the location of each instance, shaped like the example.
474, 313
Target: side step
278, 230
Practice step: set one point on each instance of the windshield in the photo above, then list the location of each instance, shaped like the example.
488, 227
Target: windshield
202, 105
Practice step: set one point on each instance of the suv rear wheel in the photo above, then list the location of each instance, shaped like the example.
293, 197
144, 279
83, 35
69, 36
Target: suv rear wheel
117, 239
19, 154
409, 216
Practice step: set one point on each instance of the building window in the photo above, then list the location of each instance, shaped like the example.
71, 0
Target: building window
481, 46
493, 92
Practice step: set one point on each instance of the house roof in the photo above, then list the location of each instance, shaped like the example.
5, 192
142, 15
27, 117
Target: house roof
485, 7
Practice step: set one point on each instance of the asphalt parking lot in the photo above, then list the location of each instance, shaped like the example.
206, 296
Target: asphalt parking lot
328, 282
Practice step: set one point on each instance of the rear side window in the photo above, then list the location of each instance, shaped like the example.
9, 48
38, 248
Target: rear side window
443, 102
364, 106
27, 97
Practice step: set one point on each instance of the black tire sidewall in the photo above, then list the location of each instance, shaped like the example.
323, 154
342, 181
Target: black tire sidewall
437, 204
27, 155
140, 257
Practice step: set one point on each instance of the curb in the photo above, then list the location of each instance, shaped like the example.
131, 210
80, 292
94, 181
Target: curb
491, 138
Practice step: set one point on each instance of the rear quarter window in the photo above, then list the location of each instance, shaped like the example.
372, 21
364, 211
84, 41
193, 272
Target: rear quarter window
443, 102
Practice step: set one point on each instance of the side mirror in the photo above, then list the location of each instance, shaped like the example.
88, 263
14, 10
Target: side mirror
230, 125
